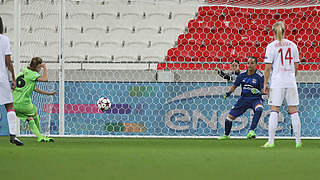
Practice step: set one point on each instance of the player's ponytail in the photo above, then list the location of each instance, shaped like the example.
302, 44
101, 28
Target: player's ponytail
1, 26
34, 63
278, 30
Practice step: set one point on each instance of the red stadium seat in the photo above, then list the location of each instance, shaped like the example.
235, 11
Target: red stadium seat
221, 34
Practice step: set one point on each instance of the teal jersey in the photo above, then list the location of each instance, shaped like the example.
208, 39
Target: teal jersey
26, 83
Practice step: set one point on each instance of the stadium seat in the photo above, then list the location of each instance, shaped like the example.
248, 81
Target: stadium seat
55, 44
147, 29
99, 55
96, 30
80, 16
152, 55
222, 33
46, 28
33, 43
137, 44
84, 44
173, 32
51, 17
105, 17
70, 29
75, 55
110, 44
49, 55
125, 55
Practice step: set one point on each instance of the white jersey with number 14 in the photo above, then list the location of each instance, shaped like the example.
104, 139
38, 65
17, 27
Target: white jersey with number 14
282, 57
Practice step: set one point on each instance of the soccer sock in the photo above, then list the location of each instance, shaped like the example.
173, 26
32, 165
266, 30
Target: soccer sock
256, 117
296, 126
12, 122
34, 128
228, 126
273, 124
37, 122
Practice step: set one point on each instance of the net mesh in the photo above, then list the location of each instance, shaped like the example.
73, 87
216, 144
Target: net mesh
156, 61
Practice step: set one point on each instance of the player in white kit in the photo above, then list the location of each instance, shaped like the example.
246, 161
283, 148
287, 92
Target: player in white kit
281, 59
5, 89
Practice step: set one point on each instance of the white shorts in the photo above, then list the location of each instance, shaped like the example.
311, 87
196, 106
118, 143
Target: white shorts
276, 96
5, 93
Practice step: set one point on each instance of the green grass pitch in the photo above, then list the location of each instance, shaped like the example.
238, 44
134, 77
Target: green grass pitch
153, 159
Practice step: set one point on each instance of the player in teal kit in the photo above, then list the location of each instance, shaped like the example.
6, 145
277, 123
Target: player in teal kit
26, 84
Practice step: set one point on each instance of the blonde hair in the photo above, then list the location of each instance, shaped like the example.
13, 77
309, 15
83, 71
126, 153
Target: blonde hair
278, 29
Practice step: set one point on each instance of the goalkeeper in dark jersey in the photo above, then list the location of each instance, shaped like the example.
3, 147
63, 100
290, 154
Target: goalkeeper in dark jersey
26, 84
251, 82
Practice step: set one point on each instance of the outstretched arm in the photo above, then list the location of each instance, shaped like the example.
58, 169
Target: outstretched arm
224, 75
43, 92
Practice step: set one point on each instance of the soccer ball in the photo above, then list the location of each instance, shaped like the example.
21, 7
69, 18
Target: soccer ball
104, 104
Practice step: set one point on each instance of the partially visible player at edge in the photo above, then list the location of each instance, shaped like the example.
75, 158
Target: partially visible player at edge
232, 75
251, 82
26, 84
5, 90
282, 58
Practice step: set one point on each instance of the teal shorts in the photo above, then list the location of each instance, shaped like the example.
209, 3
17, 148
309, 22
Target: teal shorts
23, 111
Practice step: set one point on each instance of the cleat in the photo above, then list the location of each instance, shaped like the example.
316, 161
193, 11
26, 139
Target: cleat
224, 137
50, 139
267, 145
16, 141
298, 145
45, 139
41, 139
251, 135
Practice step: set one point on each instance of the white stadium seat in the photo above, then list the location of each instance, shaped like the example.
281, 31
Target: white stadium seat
103, 30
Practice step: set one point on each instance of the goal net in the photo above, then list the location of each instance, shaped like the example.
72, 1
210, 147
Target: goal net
157, 62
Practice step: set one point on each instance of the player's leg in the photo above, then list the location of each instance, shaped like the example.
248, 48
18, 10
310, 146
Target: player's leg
295, 119
227, 127
26, 113
239, 108
292, 99
34, 129
276, 96
257, 109
7, 99
37, 122
12, 122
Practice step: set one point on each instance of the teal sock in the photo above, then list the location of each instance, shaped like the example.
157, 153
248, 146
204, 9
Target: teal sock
34, 129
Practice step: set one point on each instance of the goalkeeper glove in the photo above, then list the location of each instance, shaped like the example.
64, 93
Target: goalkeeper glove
227, 95
255, 91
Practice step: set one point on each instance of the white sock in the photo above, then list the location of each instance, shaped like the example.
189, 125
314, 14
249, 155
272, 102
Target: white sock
273, 124
12, 122
296, 126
